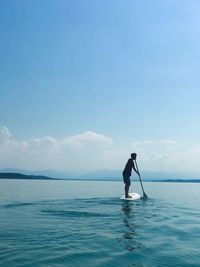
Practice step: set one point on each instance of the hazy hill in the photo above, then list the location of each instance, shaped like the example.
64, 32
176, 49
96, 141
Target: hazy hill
24, 176
146, 175
48, 173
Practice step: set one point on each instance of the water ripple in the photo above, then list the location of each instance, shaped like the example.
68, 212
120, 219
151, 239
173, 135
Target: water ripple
99, 232
72, 213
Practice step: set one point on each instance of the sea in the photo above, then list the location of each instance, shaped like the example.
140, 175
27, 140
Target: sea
57, 223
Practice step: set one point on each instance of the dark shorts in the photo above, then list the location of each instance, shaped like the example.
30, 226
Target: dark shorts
127, 180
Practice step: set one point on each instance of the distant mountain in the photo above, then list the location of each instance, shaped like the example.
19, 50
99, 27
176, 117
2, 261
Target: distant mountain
12, 175
145, 175
117, 175
102, 174
49, 173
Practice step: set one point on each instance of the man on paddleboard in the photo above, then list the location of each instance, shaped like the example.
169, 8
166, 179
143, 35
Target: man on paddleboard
127, 173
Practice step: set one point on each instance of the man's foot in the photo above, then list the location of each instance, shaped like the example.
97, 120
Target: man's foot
128, 196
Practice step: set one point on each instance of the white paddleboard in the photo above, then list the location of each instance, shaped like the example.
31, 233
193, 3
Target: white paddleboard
134, 196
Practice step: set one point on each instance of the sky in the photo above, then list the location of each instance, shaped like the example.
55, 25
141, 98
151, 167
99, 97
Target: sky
84, 83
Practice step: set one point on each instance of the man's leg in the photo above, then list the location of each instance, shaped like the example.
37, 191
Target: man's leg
127, 185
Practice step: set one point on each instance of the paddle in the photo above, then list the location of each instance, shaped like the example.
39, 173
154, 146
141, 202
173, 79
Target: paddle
144, 194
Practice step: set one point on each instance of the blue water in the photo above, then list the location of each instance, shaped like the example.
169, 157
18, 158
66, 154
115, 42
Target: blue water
84, 223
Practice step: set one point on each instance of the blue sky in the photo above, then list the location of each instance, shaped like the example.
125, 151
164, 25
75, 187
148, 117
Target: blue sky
126, 70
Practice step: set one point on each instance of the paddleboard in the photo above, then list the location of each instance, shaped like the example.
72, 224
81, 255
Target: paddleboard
134, 196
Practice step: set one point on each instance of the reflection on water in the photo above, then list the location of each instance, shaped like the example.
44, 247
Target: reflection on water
129, 226
129, 240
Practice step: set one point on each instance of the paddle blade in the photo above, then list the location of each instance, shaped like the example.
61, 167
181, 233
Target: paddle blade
145, 195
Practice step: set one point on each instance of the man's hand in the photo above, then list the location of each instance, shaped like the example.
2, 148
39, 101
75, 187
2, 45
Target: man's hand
137, 171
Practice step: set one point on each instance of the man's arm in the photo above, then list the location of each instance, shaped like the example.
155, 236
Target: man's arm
136, 169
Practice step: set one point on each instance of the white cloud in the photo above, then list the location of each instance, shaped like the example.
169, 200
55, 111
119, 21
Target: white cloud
168, 155
79, 153
91, 151
4, 134
88, 137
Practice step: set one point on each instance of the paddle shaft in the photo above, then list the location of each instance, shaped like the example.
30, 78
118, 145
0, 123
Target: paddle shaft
139, 178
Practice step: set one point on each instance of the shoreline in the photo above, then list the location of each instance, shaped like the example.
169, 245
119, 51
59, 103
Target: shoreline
103, 179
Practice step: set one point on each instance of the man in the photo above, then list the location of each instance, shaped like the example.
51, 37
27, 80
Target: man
127, 173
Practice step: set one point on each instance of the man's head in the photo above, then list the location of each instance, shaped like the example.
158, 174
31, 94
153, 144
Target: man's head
133, 155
